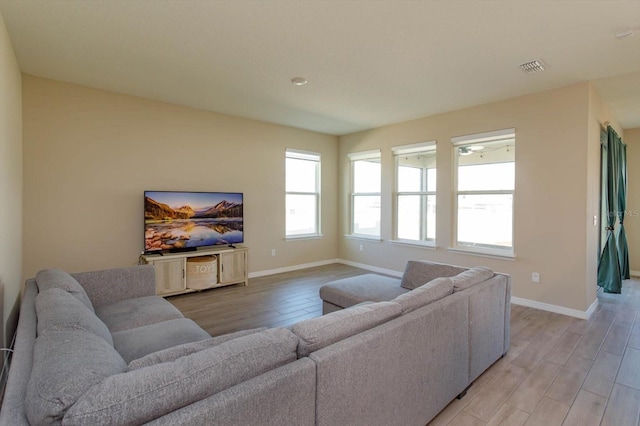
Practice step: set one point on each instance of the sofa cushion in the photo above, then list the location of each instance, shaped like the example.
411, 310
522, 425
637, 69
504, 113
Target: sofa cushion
471, 277
175, 352
419, 272
58, 310
368, 287
316, 333
56, 278
140, 341
137, 312
144, 394
65, 365
425, 294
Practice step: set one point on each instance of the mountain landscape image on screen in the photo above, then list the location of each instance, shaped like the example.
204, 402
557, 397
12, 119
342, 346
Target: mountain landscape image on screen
177, 220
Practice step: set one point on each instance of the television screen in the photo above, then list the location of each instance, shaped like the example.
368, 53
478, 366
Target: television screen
179, 220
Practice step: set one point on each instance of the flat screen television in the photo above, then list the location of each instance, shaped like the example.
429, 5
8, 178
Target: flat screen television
183, 221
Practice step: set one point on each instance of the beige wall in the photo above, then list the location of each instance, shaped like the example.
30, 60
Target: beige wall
632, 219
10, 185
90, 154
556, 158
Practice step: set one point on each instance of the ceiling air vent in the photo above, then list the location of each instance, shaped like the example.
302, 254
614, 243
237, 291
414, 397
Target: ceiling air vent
533, 66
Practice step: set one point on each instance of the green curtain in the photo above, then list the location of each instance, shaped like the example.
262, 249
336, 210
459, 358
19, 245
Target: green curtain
623, 249
609, 277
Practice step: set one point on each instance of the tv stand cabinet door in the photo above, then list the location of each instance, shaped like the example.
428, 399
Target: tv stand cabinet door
233, 267
170, 277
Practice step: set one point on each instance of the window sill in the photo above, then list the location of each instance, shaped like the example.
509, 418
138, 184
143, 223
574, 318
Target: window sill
303, 237
363, 237
430, 245
496, 254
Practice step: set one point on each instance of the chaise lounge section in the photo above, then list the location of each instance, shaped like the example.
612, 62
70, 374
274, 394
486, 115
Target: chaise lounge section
350, 291
454, 325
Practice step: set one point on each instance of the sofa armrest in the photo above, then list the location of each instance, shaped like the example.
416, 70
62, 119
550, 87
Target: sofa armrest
13, 406
113, 285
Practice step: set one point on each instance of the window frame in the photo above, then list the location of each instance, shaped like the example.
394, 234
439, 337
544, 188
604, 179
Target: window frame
479, 139
412, 149
363, 156
291, 153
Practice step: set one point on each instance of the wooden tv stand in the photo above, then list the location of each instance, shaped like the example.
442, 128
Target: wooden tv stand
171, 268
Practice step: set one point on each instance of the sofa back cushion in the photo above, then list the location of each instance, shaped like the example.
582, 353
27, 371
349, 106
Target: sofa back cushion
175, 352
65, 365
144, 394
316, 333
58, 310
56, 278
471, 277
432, 291
420, 272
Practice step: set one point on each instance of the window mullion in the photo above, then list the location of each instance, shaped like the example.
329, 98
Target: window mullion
495, 192
301, 193
413, 167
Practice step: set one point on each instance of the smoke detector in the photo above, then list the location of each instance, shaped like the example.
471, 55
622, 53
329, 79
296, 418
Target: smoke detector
533, 66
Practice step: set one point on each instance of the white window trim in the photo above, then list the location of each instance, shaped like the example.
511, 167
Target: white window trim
309, 156
474, 139
364, 155
359, 156
404, 150
428, 244
483, 252
413, 148
363, 237
494, 136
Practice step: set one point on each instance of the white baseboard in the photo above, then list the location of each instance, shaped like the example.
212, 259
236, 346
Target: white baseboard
293, 268
370, 268
555, 308
515, 300
634, 273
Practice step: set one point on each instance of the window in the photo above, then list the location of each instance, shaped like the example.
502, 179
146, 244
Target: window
415, 196
365, 194
484, 191
303, 194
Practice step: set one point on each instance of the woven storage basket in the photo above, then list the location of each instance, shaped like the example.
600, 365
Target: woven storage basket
202, 272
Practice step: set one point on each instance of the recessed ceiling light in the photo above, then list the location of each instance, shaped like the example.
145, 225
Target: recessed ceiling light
299, 81
533, 66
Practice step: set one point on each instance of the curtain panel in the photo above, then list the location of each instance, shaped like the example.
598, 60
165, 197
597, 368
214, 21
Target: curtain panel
614, 257
623, 248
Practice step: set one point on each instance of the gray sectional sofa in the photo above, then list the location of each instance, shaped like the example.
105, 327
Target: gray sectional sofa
101, 348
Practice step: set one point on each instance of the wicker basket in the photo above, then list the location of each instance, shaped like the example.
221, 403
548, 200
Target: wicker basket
202, 272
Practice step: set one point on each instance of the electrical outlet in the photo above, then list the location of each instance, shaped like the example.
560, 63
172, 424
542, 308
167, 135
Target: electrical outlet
361, 247
273, 252
535, 277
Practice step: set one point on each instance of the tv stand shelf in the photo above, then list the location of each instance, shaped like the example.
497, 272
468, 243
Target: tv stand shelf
171, 269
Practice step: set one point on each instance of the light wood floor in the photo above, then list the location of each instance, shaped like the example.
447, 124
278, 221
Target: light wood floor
559, 370
273, 301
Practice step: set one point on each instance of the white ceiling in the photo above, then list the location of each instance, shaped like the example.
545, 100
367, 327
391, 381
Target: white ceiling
369, 63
